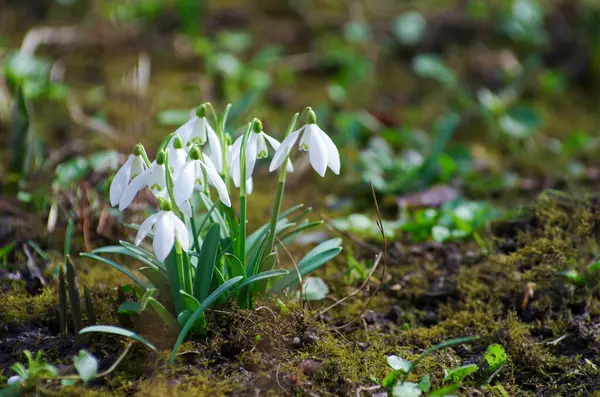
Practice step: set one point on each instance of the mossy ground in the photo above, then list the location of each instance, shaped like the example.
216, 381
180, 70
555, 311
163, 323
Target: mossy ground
513, 296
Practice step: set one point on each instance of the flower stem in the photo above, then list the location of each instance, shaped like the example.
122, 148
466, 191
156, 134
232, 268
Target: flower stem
278, 200
242, 230
195, 232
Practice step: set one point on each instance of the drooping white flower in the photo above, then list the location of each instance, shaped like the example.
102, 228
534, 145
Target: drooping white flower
177, 155
192, 177
197, 131
134, 166
321, 150
256, 148
14, 379
168, 228
154, 178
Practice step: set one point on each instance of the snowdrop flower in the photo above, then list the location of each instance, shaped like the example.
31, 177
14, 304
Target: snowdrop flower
134, 166
321, 150
167, 227
192, 177
14, 379
196, 131
256, 148
177, 155
154, 178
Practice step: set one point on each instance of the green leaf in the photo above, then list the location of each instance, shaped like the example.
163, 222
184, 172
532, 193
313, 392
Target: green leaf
117, 249
109, 329
448, 343
235, 265
143, 253
391, 379
116, 266
425, 383
215, 215
130, 308
433, 66
314, 289
86, 365
262, 276
444, 391
495, 356
196, 315
594, 266
165, 315
207, 260
175, 283
68, 237
314, 259
456, 375
190, 301
66, 382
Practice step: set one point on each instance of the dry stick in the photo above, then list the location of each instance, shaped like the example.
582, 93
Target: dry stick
354, 238
359, 289
295, 267
385, 257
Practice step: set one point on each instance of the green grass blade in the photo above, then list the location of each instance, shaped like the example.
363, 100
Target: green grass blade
68, 237
165, 315
308, 264
236, 268
191, 302
120, 250
198, 312
175, 283
262, 276
120, 268
110, 329
207, 261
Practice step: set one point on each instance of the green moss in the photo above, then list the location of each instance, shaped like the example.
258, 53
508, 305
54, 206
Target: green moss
17, 308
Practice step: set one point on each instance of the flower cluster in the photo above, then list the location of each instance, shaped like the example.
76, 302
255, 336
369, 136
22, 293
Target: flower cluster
195, 157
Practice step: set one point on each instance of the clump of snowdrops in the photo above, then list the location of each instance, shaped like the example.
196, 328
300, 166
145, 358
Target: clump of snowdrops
201, 252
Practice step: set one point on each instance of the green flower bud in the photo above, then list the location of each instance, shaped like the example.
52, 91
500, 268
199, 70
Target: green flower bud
138, 149
177, 142
165, 205
311, 117
201, 111
195, 153
257, 126
161, 157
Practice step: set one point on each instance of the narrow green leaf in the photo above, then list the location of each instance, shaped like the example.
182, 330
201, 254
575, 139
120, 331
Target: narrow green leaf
191, 302
165, 315
267, 263
456, 375
109, 329
448, 343
207, 260
117, 249
308, 264
215, 215
141, 252
130, 308
196, 315
235, 266
116, 266
68, 237
175, 283
262, 276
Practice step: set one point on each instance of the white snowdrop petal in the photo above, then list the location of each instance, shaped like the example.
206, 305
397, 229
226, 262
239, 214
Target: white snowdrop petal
120, 181
333, 156
181, 232
164, 236
235, 171
318, 152
137, 166
137, 184
183, 187
215, 147
284, 149
217, 182
157, 183
262, 152
145, 228
186, 208
185, 131
249, 186
251, 154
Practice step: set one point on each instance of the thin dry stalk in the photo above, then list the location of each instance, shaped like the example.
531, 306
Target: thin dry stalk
385, 258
